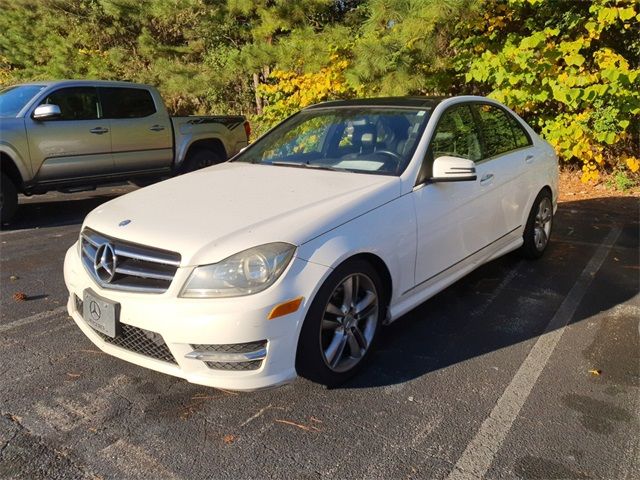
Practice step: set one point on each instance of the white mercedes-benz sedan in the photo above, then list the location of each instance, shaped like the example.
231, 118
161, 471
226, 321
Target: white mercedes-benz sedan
289, 258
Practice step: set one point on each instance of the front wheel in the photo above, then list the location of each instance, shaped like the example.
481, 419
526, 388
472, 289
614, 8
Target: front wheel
537, 232
341, 326
8, 199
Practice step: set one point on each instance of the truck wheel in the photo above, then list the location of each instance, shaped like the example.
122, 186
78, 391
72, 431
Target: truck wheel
202, 158
8, 199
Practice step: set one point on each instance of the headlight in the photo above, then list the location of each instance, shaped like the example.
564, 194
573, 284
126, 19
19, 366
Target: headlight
244, 273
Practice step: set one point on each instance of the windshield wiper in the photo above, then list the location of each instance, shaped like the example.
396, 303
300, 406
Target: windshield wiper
288, 164
314, 166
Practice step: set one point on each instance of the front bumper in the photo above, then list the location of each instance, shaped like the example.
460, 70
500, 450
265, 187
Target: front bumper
206, 326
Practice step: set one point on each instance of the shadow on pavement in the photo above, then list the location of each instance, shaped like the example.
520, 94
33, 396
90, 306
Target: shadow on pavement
483, 312
61, 211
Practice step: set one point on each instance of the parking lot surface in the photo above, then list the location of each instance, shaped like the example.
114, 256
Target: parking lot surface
521, 370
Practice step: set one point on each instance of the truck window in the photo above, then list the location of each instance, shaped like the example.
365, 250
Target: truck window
118, 102
76, 103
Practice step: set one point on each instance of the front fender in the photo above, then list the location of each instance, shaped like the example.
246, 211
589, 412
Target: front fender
388, 232
18, 160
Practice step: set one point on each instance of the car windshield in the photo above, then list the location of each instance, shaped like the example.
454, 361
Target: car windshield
13, 99
375, 140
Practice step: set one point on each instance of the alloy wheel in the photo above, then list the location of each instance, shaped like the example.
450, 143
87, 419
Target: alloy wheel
542, 226
349, 322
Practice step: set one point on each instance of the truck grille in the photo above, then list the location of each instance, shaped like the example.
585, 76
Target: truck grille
119, 265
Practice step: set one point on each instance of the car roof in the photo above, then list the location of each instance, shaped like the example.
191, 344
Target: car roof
411, 102
81, 83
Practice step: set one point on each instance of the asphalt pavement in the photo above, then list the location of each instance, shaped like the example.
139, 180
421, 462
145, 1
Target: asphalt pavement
524, 369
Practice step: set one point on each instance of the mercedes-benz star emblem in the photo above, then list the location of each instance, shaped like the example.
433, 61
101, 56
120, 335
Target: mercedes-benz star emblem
104, 263
94, 310
124, 223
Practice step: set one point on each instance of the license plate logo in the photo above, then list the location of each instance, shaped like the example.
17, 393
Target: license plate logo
101, 314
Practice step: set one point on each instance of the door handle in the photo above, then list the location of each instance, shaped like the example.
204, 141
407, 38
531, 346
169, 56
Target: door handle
157, 128
528, 159
486, 179
99, 130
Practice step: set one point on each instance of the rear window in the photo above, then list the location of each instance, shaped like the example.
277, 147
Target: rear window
120, 102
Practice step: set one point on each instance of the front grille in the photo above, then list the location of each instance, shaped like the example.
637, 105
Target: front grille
232, 347
252, 365
139, 340
127, 266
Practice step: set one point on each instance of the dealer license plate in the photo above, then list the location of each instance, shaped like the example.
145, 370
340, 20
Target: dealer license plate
101, 314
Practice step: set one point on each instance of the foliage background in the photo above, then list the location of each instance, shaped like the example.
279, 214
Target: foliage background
570, 68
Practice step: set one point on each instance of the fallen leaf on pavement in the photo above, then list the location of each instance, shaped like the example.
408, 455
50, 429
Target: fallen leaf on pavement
595, 373
228, 439
306, 428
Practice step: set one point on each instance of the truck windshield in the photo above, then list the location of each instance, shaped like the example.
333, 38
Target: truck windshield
374, 140
13, 99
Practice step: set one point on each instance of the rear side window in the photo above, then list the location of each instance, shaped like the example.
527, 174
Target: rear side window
126, 102
76, 103
497, 130
521, 136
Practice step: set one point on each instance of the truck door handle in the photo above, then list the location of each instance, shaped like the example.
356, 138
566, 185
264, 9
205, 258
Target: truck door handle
528, 159
486, 179
157, 128
99, 130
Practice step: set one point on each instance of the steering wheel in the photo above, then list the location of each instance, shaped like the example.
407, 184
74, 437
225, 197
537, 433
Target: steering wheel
393, 156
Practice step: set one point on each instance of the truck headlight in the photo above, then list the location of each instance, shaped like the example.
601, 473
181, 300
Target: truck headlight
244, 273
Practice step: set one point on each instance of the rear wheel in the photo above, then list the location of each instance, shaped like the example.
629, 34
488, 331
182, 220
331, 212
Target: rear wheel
538, 229
202, 158
341, 326
8, 199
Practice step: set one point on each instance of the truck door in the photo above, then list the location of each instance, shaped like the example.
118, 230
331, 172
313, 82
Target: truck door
141, 134
75, 144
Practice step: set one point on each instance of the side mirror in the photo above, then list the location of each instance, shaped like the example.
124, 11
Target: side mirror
453, 169
45, 112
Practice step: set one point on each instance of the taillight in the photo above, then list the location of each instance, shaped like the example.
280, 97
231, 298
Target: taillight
247, 129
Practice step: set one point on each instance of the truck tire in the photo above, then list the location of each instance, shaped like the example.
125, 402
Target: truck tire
201, 158
8, 199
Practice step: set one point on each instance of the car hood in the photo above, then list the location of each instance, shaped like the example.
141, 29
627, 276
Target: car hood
213, 213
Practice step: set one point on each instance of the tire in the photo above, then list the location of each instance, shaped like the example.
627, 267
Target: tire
537, 232
333, 346
8, 199
144, 181
202, 158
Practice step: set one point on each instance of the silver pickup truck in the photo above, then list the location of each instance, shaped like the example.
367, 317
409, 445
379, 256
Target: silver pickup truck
74, 135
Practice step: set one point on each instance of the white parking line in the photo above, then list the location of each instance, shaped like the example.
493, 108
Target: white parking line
480, 452
33, 318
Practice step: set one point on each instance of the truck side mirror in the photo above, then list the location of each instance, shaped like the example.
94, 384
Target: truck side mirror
453, 169
46, 112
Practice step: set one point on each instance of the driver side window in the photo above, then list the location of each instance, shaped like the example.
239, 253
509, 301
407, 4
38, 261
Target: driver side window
455, 135
76, 103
